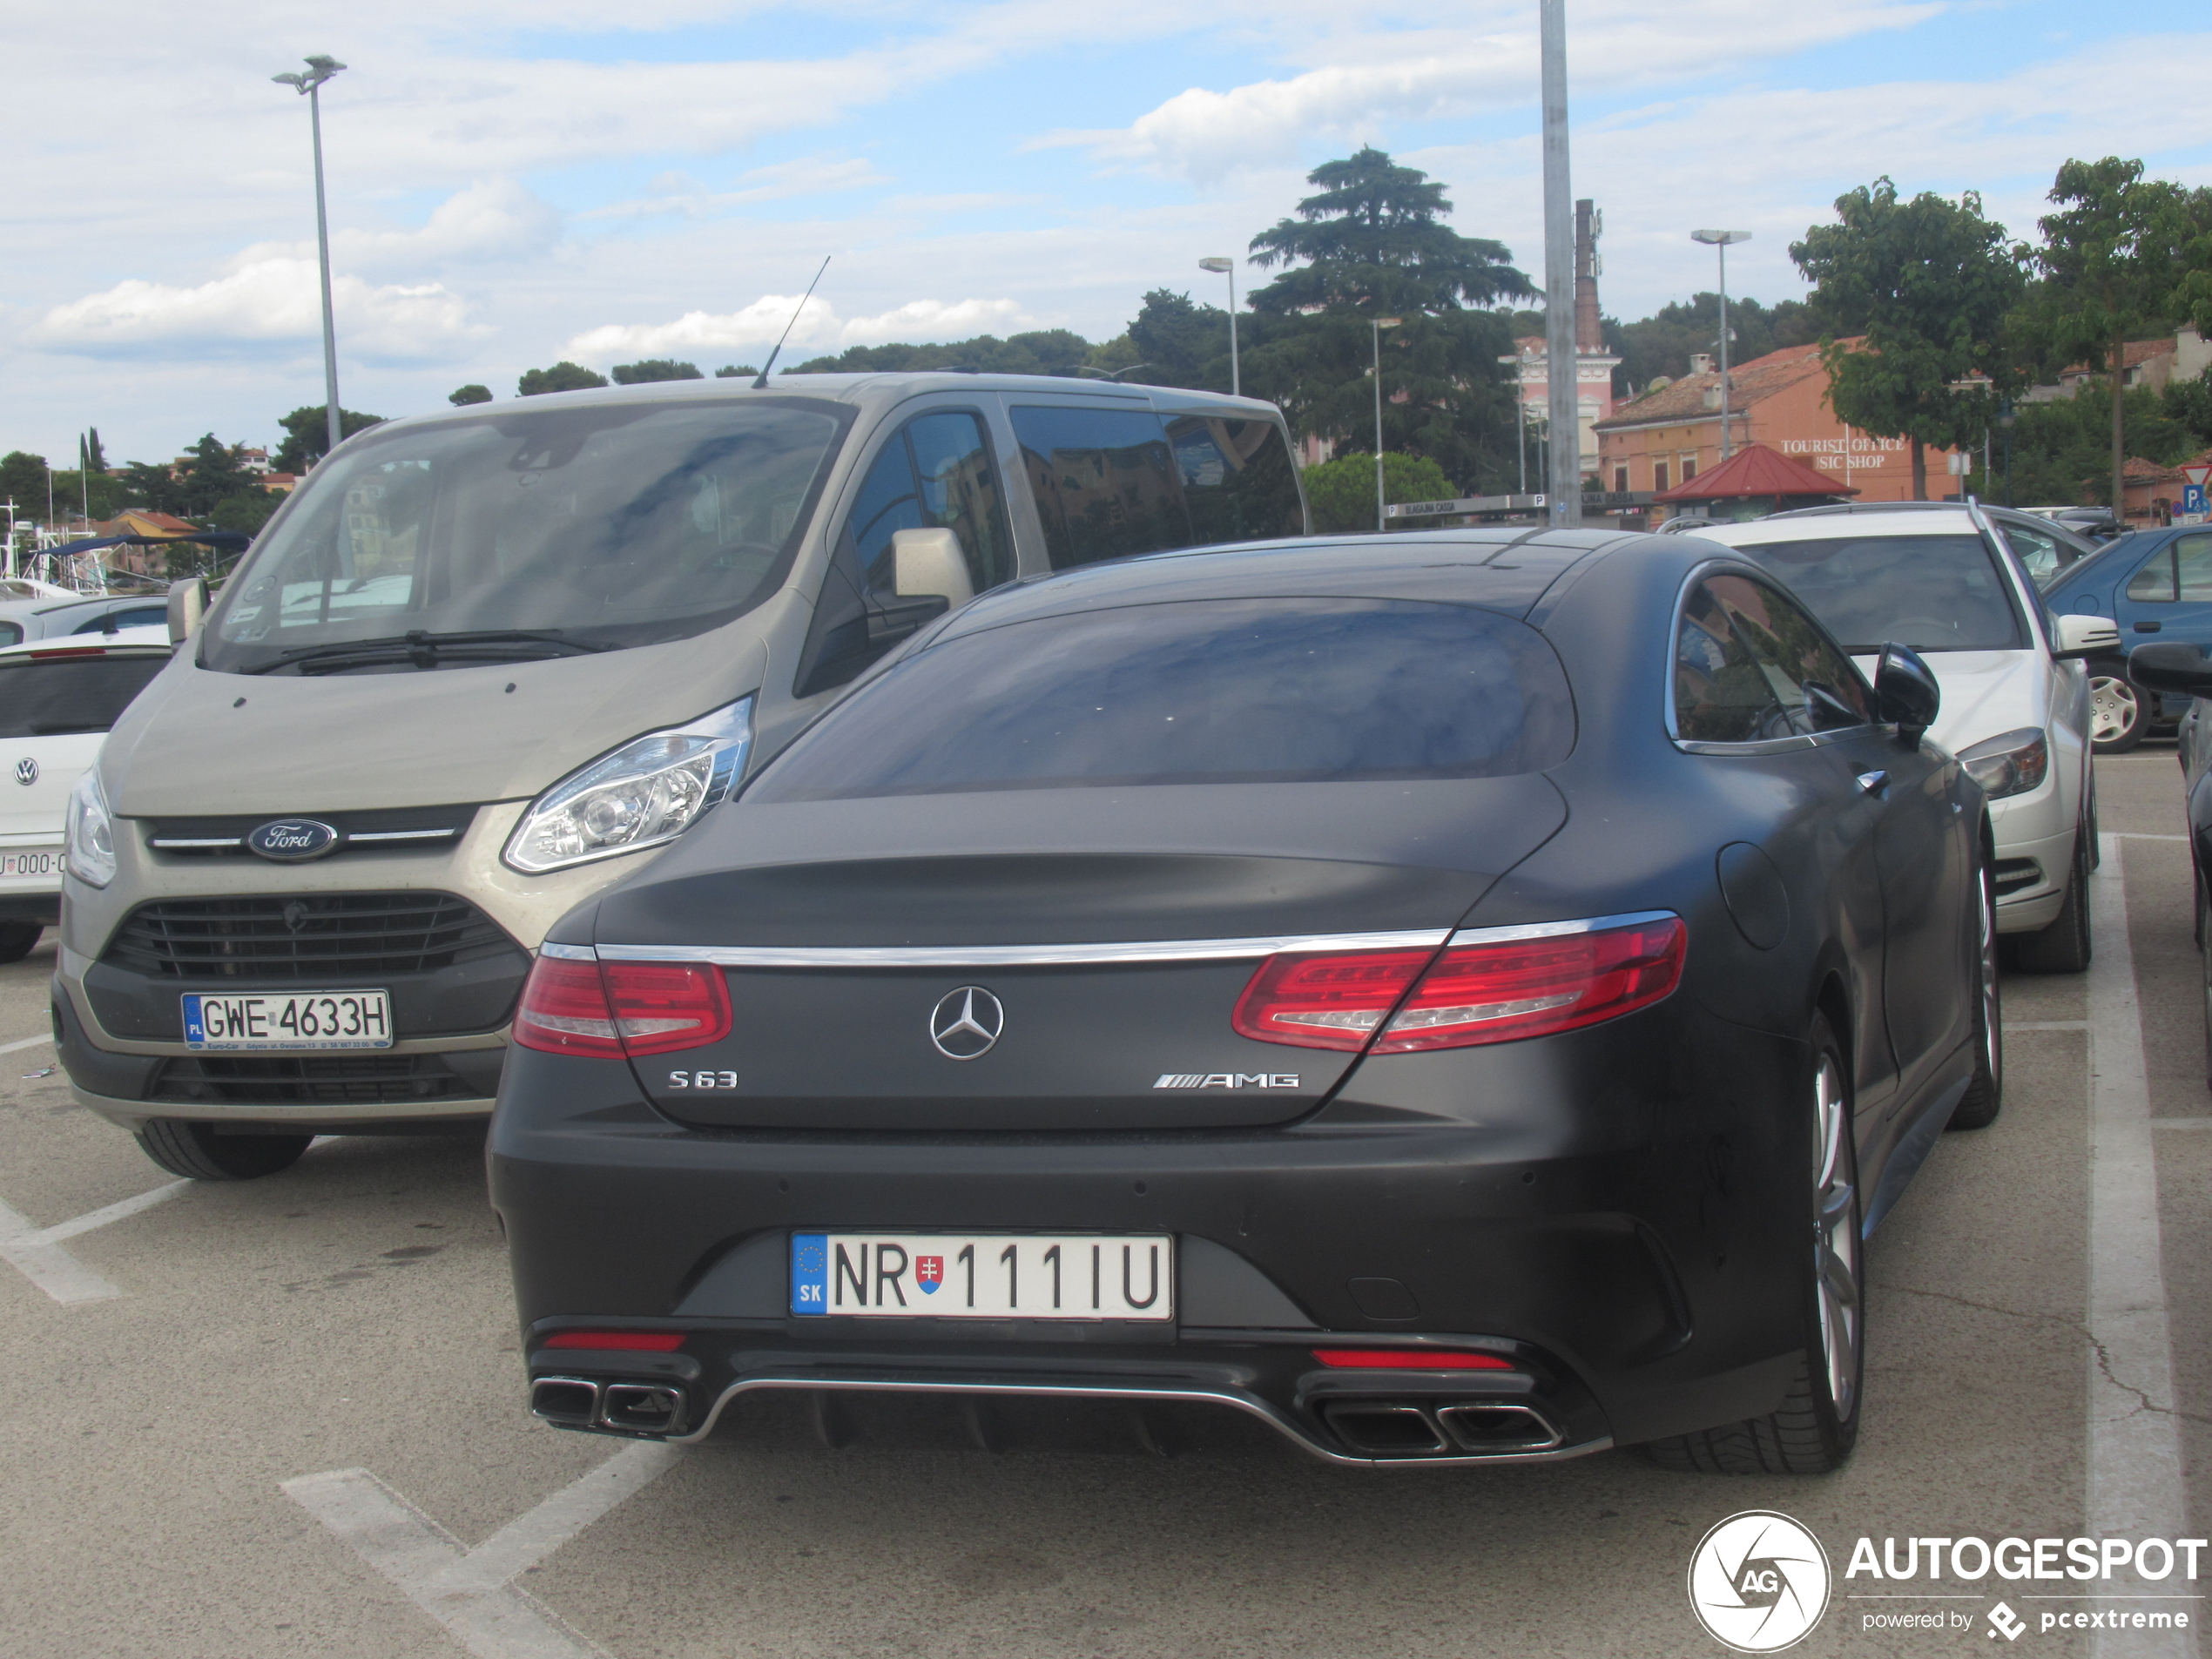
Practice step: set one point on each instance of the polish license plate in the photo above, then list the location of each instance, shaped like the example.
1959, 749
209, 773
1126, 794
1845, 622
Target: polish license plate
983, 1276
277, 1019
29, 866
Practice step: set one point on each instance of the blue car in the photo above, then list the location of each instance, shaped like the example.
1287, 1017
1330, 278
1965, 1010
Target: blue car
2155, 585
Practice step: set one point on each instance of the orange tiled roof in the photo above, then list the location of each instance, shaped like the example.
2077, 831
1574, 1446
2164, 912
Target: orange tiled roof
1684, 399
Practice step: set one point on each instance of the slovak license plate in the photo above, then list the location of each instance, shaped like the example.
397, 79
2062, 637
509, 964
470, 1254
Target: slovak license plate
277, 1020
983, 1276
29, 864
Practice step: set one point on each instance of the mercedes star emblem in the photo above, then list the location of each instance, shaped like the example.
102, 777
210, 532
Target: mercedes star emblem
966, 1023
26, 771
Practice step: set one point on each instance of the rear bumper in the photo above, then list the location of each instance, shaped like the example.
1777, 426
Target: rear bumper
1634, 1251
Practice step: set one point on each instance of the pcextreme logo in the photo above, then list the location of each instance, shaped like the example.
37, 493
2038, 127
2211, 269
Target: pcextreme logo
1758, 1582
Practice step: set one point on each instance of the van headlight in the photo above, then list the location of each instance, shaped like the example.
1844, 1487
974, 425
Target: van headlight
2010, 764
89, 840
651, 790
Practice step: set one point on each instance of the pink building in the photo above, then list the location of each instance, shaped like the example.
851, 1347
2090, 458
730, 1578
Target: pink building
1594, 366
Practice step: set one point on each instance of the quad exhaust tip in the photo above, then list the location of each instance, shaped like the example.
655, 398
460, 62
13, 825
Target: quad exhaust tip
634, 1408
1390, 1428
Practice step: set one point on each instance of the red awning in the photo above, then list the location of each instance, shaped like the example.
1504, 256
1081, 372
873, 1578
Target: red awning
1757, 470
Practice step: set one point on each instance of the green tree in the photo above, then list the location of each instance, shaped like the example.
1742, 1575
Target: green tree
1175, 342
2123, 256
1662, 343
247, 510
152, 487
1045, 351
735, 371
95, 493
1372, 245
461, 397
89, 453
563, 376
216, 472
654, 368
23, 480
1926, 284
1342, 492
307, 435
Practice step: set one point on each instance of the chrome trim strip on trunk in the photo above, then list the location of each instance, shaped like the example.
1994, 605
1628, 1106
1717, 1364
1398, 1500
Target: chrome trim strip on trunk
569, 953
1557, 929
1280, 1421
1156, 950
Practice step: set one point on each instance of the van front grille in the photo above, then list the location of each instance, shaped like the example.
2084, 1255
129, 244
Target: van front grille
298, 1080
323, 937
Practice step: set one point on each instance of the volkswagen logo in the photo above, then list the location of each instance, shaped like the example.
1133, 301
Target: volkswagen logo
966, 1023
26, 771
293, 841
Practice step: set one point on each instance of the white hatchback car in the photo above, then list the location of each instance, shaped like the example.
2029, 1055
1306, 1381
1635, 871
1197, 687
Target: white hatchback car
57, 699
2015, 695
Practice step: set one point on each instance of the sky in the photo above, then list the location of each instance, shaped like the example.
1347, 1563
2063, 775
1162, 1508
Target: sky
516, 181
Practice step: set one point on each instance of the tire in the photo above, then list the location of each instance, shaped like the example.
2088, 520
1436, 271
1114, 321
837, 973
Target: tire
200, 1152
1985, 1096
2117, 716
17, 938
1817, 1426
2064, 947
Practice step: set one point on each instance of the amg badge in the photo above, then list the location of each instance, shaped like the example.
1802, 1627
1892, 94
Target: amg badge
1227, 1080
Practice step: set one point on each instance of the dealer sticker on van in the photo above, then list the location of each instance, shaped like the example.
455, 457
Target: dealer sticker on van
289, 1020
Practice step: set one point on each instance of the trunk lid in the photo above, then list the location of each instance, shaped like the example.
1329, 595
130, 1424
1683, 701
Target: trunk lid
854, 933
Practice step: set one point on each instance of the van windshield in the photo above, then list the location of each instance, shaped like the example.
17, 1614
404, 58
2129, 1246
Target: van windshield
535, 532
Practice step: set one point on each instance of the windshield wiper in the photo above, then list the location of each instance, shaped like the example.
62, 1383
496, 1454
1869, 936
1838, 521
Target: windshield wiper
426, 650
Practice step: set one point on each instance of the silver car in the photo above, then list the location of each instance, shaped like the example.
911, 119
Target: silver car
483, 663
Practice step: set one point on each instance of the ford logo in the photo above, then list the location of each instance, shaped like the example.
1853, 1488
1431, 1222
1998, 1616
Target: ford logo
293, 841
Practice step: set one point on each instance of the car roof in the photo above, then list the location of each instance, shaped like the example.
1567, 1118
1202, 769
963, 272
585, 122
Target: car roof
1810, 524
869, 391
123, 639
48, 605
1505, 569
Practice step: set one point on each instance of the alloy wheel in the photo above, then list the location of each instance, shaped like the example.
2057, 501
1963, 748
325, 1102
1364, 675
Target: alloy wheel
1836, 1236
1991, 1011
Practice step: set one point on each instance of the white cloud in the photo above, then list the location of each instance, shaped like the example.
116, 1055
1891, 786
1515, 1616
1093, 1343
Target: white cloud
761, 324
679, 194
266, 302
497, 219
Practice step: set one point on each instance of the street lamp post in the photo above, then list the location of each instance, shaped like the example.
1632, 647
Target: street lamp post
308, 83
1381, 514
1222, 266
2004, 420
1720, 239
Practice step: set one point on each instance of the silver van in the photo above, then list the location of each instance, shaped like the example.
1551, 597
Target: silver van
483, 663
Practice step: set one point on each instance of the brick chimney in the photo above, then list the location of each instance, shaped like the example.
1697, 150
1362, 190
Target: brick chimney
1589, 332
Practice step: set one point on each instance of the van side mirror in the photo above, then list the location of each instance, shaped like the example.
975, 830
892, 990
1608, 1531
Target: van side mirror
925, 563
2080, 636
187, 604
1905, 692
2176, 667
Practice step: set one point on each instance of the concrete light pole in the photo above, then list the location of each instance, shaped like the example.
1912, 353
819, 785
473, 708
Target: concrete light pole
1563, 485
1222, 266
1382, 515
1719, 242
308, 83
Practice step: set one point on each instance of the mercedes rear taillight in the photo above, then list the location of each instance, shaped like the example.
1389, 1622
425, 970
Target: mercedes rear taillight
611, 1009
1485, 990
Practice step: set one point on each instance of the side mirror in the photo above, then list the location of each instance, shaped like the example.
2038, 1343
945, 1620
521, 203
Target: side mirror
1905, 692
187, 604
925, 563
2176, 667
2080, 636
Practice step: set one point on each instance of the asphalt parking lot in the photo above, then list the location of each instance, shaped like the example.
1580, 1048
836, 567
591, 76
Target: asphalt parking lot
285, 1416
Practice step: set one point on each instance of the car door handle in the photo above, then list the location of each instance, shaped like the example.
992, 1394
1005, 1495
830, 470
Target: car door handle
1873, 782
2149, 627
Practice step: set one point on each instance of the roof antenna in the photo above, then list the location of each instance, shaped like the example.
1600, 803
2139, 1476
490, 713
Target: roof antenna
761, 384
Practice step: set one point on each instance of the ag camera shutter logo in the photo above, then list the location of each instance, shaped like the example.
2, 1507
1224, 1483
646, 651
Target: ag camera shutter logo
1758, 1582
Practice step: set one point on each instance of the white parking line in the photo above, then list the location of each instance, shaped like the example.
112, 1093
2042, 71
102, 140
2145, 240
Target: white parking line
2134, 1461
2012, 1026
471, 1592
25, 1042
36, 1252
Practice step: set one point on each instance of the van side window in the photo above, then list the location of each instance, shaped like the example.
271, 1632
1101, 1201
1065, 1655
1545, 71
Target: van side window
1104, 481
936, 473
1237, 479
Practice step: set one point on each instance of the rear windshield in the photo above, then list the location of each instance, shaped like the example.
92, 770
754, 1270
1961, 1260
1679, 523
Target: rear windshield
1930, 592
1238, 691
606, 525
49, 696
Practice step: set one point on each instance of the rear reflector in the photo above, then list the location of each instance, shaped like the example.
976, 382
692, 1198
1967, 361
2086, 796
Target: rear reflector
626, 1341
609, 1009
1410, 1359
1502, 991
